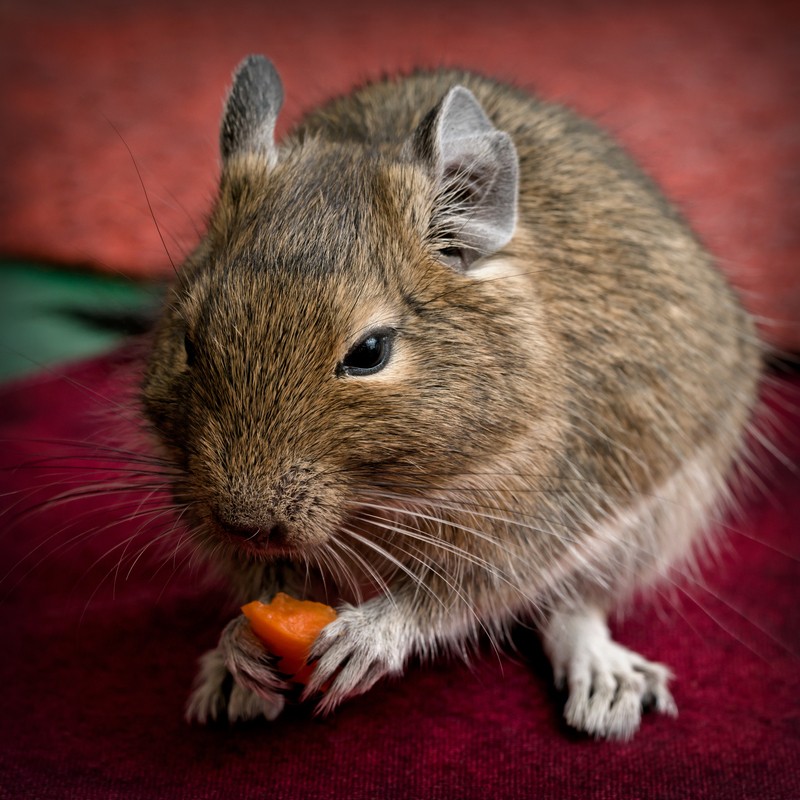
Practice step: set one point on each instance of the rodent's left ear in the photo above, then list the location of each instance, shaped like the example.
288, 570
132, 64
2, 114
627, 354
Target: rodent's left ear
476, 170
251, 110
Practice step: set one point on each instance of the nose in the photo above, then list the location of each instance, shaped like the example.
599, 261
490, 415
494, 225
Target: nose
262, 532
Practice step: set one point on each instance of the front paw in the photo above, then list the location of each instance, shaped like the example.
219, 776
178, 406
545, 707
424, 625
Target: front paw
353, 652
248, 661
236, 680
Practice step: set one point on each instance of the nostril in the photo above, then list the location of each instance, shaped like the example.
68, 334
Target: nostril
267, 532
241, 531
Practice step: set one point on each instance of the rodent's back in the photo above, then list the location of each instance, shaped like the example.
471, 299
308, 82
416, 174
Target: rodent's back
660, 359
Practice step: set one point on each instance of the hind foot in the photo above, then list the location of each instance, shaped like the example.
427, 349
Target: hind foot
608, 684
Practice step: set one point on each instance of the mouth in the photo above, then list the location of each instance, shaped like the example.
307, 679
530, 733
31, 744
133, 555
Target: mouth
261, 548
329, 579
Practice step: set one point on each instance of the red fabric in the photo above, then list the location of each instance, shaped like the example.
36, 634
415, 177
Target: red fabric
98, 660
705, 93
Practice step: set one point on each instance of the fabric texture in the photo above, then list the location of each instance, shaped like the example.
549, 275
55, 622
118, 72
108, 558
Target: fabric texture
111, 113
102, 635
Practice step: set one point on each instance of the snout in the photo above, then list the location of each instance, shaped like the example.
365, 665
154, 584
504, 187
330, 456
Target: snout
273, 516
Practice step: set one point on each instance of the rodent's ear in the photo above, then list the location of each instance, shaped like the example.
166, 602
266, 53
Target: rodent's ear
476, 170
251, 110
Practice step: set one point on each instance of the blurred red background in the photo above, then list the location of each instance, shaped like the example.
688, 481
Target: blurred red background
705, 94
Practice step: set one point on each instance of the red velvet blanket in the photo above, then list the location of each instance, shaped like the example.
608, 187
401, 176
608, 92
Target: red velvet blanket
101, 637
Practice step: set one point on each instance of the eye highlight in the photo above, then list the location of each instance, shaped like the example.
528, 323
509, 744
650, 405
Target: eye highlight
368, 356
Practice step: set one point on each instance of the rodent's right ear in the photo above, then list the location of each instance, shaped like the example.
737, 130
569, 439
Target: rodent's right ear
476, 171
251, 110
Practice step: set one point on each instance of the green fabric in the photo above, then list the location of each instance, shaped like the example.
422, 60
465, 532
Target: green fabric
43, 310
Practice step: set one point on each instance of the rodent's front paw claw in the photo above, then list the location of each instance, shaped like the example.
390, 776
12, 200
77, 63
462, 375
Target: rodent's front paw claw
209, 698
351, 654
248, 661
217, 696
608, 684
236, 680
245, 704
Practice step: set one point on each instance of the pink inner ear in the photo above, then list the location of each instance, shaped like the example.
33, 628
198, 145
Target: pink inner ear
478, 176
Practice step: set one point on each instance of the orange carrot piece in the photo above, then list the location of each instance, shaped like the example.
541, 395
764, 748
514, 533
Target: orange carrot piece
288, 628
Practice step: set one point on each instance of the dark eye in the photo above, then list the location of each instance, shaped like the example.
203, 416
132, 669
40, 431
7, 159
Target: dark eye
190, 349
370, 355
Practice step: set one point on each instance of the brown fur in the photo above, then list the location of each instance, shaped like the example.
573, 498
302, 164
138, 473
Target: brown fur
528, 407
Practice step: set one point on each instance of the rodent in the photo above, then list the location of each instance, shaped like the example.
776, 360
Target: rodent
445, 354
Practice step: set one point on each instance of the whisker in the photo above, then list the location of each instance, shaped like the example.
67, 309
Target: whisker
377, 579
415, 533
173, 555
394, 561
493, 540
419, 582
66, 545
348, 579
115, 568
146, 196
165, 535
93, 446
75, 495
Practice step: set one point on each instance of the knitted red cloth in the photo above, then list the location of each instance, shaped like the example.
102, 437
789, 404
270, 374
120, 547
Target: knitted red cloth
101, 644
